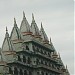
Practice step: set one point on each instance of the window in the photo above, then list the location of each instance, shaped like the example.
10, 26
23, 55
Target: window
27, 48
45, 63
15, 71
46, 73
37, 61
19, 59
10, 71
30, 73
33, 47
21, 73
29, 60
25, 72
41, 61
24, 59
42, 73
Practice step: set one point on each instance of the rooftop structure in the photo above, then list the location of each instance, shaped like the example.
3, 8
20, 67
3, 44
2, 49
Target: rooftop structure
28, 51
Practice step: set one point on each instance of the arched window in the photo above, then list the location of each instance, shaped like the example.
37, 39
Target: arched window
19, 59
21, 73
29, 60
33, 47
25, 72
41, 61
45, 63
15, 71
46, 73
30, 73
37, 61
42, 73
10, 71
24, 59
27, 48
38, 73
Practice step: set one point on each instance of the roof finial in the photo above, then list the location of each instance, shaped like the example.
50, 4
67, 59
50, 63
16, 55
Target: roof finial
41, 25
66, 66
58, 55
33, 17
15, 25
23, 14
7, 34
6, 29
50, 40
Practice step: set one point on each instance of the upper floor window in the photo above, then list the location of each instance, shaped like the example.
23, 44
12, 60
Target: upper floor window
15, 71
25, 72
27, 48
37, 61
19, 59
10, 71
24, 59
29, 60
42, 73
21, 73
30, 73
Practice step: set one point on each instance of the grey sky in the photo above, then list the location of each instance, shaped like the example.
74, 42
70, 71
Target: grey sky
57, 19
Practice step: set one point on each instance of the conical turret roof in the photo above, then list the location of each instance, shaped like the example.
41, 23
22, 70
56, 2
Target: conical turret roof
25, 27
43, 34
15, 34
34, 27
7, 43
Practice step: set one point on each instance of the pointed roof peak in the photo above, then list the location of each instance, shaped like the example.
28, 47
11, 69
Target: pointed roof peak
66, 66
6, 29
7, 34
33, 17
15, 25
23, 15
41, 25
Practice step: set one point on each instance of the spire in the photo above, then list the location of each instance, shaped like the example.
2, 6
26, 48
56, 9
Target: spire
7, 34
50, 40
23, 14
25, 27
66, 66
43, 34
41, 25
33, 18
34, 27
15, 25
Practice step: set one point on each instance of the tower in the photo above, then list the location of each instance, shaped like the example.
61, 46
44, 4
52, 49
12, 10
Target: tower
28, 51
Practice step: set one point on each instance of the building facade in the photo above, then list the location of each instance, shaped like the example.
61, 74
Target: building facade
28, 51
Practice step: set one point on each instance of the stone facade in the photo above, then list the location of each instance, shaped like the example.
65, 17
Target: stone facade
28, 51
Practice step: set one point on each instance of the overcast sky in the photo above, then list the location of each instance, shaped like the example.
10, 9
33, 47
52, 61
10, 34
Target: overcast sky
57, 19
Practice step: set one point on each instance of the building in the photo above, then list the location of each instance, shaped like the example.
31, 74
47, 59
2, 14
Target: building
28, 51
